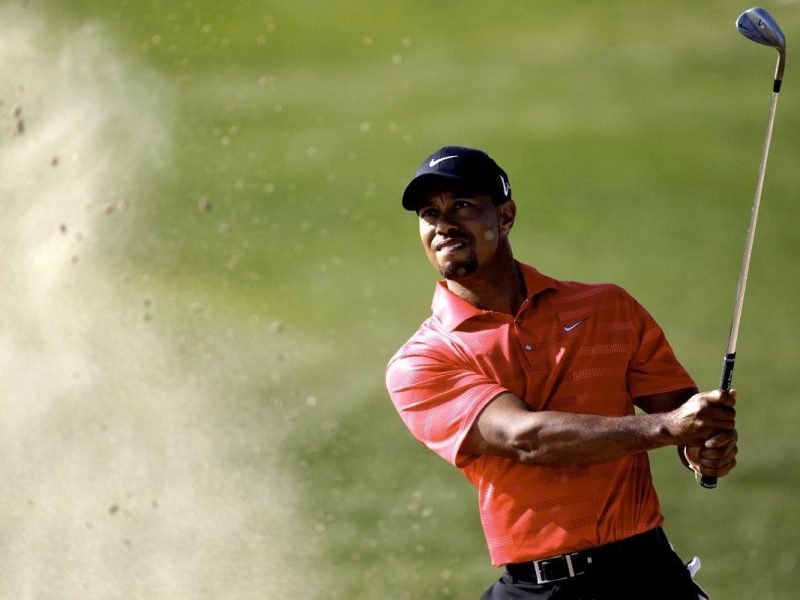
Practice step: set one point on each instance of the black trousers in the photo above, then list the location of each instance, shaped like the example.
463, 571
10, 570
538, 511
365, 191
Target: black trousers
641, 568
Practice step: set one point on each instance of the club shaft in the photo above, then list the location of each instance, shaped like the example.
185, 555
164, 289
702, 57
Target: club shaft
730, 355
751, 232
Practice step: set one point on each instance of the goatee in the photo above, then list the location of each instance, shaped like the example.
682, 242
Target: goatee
459, 269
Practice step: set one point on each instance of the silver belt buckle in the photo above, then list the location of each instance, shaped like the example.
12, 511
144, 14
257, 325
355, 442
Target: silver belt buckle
570, 568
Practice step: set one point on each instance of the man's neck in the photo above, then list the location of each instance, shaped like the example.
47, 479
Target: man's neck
499, 287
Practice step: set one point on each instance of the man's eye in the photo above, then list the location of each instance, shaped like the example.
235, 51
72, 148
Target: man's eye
427, 213
461, 204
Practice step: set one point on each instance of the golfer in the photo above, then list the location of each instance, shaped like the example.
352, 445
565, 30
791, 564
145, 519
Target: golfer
528, 385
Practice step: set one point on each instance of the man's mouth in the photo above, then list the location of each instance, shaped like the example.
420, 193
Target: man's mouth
451, 245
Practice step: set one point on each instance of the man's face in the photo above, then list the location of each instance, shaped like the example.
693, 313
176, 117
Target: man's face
461, 232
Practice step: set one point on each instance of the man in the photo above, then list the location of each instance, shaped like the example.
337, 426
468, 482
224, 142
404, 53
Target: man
528, 386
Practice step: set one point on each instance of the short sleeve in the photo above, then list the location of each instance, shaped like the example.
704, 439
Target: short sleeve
653, 369
438, 400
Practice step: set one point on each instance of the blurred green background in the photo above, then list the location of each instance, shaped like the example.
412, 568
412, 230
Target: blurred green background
631, 133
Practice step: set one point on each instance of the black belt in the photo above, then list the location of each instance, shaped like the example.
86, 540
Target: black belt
566, 566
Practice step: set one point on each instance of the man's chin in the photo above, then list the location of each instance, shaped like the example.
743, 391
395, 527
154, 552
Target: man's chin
455, 270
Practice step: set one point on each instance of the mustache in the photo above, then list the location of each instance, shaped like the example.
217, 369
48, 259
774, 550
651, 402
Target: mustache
454, 235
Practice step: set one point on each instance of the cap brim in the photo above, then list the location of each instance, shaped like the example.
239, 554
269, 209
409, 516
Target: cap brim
418, 186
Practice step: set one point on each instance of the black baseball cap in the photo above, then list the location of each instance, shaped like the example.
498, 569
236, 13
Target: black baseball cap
469, 167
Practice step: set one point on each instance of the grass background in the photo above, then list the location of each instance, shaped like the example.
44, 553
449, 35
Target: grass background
631, 133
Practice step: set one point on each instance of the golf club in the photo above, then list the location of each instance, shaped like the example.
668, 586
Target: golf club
755, 24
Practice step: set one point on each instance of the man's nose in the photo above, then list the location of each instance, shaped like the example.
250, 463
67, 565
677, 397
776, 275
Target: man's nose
445, 224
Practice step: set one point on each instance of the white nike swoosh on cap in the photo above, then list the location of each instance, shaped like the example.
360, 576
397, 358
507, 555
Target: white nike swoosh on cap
505, 185
436, 161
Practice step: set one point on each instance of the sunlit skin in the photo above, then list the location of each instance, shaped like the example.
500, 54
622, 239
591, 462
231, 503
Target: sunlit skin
466, 239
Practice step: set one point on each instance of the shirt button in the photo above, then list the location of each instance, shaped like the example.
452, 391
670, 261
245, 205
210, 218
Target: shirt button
528, 347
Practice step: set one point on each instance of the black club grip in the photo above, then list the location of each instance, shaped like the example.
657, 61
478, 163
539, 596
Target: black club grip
708, 481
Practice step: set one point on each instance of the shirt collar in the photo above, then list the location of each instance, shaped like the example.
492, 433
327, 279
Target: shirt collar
452, 310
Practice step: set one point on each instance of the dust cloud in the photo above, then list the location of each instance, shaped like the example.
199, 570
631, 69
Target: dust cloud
122, 477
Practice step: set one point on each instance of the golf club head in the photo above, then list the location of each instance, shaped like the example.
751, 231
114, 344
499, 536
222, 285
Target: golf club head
758, 25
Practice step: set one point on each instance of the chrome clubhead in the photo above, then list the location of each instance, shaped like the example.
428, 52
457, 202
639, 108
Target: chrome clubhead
758, 25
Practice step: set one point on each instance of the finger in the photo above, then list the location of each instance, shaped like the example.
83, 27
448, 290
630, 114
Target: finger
718, 425
720, 397
720, 471
722, 439
718, 454
723, 413
713, 455
692, 453
721, 451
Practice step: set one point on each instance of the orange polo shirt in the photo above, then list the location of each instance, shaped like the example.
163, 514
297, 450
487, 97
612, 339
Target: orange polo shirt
572, 347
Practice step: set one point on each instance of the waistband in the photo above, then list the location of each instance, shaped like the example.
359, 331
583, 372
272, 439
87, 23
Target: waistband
566, 566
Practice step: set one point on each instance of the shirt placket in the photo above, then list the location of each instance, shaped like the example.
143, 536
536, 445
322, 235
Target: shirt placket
524, 339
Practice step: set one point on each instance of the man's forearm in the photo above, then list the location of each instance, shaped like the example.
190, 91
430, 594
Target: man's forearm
507, 427
559, 439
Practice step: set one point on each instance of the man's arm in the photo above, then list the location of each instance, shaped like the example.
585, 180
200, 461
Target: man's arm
659, 403
507, 427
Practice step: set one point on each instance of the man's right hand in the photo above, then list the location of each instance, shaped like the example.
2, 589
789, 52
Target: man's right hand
716, 457
701, 417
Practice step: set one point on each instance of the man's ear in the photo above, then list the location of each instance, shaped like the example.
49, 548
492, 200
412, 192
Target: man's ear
508, 213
